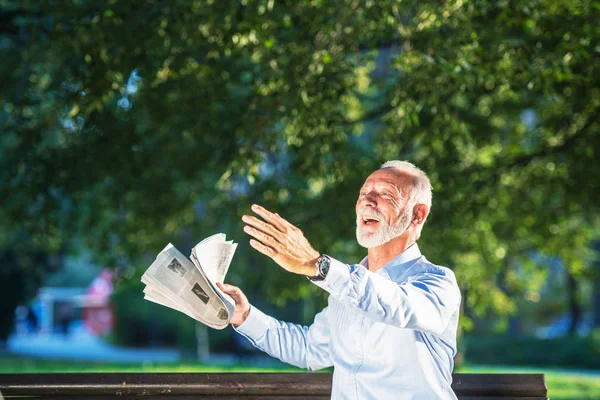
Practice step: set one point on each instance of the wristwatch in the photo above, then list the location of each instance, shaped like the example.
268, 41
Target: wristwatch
322, 265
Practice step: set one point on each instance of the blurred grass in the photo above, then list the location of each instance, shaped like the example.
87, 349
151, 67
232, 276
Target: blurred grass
16, 365
562, 384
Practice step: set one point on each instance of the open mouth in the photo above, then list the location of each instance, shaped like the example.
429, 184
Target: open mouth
370, 220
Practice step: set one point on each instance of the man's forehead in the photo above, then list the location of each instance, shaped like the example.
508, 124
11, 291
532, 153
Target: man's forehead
388, 175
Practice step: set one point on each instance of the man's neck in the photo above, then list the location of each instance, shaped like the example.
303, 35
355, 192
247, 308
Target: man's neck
379, 256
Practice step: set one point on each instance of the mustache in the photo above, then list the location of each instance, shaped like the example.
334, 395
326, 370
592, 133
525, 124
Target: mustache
369, 212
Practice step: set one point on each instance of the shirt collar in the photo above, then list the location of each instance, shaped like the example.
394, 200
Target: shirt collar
408, 255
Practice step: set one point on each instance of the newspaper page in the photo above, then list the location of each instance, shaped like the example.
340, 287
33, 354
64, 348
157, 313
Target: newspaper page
173, 281
212, 257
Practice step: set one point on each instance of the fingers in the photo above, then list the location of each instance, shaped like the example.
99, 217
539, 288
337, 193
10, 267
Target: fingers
262, 226
235, 292
272, 218
263, 238
269, 235
266, 250
226, 287
231, 290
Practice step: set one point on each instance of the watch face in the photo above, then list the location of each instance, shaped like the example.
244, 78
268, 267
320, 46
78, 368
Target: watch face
324, 265
322, 269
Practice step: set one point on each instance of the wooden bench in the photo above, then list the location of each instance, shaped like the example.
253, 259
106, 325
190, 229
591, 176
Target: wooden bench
236, 386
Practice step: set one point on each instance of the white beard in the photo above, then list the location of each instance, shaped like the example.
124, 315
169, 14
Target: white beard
385, 233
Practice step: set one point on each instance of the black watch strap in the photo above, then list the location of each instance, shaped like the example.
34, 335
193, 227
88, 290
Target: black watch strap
322, 268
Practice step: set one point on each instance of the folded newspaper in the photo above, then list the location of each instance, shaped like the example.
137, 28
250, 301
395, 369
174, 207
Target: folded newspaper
190, 286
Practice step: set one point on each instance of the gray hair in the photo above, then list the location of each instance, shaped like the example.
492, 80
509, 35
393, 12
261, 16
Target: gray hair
421, 186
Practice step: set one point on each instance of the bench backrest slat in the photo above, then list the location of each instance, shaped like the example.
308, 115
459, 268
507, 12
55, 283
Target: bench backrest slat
233, 385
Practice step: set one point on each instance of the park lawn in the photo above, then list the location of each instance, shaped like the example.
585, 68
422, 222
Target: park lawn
16, 365
568, 386
562, 385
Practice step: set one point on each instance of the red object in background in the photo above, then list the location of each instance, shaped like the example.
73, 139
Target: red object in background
98, 314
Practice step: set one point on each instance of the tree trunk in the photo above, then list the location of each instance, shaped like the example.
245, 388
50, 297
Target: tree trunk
596, 290
514, 321
574, 306
202, 344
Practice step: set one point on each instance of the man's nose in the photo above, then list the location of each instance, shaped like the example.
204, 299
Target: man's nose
369, 200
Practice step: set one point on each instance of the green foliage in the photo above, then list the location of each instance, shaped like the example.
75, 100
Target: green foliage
574, 352
140, 323
130, 122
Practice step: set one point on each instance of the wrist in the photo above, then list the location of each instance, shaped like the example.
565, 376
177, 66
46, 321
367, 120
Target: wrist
310, 267
239, 319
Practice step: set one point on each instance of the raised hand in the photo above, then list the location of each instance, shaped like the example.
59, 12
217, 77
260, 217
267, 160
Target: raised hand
281, 241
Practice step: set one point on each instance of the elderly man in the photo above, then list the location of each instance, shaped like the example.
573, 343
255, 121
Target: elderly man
389, 329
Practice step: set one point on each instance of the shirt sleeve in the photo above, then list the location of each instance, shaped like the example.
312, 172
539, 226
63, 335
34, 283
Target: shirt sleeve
425, 302
301, 346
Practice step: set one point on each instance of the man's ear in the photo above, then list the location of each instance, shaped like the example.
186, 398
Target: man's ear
419, 214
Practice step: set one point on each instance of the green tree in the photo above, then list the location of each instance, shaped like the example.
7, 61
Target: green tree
129, 122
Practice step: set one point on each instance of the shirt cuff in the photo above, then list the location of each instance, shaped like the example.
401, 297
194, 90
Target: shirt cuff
255, 325
337, 278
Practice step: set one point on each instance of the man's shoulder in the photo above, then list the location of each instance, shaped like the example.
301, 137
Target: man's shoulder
434, 276
425, 267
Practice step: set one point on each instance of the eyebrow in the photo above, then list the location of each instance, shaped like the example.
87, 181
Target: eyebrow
385, 185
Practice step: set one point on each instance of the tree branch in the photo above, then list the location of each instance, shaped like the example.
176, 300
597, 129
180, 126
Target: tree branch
549, 150
371, 115
525, 159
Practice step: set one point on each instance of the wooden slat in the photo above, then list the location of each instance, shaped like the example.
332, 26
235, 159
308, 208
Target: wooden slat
178, 397
494, 398
228, 385
518, 385
499, 398
153, 384
270, 397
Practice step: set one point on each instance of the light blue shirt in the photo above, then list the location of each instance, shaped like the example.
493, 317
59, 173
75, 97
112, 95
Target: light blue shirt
389, 334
